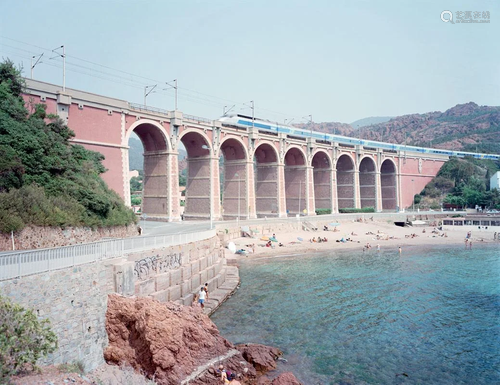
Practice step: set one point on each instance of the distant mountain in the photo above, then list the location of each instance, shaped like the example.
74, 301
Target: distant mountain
136, 158
467, 127
369, 121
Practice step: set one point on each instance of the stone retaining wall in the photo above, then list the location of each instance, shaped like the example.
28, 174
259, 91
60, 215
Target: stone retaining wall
75, 299
37, 237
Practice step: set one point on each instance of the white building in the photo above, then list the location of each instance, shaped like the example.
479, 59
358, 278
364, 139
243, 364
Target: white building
495, 181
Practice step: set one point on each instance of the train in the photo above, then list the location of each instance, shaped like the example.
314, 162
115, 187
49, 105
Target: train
243, 121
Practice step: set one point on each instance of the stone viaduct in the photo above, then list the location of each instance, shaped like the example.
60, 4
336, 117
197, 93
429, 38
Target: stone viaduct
262, 174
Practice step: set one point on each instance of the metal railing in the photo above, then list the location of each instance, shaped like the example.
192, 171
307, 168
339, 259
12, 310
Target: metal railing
197, 119
141, 107
21, 263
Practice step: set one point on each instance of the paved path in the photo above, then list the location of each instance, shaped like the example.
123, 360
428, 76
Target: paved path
225, 291
201, 369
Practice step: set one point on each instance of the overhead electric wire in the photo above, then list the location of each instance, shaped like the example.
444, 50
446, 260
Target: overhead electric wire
184, 92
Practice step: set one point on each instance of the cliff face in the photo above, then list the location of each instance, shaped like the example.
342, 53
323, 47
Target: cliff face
173, 343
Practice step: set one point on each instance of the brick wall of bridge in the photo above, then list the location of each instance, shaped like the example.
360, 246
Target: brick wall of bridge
104, 124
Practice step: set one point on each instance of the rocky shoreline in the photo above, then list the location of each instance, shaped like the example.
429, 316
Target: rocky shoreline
168, 343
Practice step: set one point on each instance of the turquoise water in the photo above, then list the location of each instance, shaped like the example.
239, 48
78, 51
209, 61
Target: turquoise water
427, 316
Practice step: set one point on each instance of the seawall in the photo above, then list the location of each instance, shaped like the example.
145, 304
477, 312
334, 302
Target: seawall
75, 299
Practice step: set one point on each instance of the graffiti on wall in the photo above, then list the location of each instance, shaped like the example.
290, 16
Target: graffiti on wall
157, 264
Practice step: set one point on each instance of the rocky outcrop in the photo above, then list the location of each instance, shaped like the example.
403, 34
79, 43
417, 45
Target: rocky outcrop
263, 358
286, 379
176, 344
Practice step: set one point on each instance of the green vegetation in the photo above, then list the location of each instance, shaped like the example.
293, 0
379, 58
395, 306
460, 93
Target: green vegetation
23, 338
464, 183
136, 200
351, 210
323, 211
44, 180
135, 184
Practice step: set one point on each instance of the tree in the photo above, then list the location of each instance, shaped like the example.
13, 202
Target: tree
39, 164
23, 338
135, 184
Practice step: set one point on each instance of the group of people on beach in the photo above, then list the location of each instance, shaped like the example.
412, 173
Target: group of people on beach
319, 240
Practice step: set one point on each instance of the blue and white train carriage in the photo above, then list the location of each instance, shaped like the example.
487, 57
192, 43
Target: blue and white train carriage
243, 121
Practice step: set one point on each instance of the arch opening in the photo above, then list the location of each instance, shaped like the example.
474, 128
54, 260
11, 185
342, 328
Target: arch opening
155, 181
388, 185
367, 183
234, 186
345, 182
197, 192
266, 181
295, 181
322, 176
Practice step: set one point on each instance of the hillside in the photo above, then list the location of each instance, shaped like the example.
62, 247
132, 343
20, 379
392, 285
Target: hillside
466, 127
45, 180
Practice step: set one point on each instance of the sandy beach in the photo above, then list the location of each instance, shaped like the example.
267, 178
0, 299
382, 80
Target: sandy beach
357, 235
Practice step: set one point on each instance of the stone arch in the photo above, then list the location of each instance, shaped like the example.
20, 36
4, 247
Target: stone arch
345, 182
295, 180
388, 184
198, 182
235, 178
155, 129
323, 179
266, 160
368, 182
156, 183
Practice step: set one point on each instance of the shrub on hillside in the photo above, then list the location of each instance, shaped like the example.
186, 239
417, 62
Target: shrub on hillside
23, 338
44, 179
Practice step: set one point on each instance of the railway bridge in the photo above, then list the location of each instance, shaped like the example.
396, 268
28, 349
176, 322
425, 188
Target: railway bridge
263, 174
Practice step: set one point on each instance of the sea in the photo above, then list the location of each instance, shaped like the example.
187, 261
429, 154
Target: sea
430, 315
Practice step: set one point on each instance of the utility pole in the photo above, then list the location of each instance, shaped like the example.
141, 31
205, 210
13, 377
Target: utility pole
253, 114
34, 65
146, 92
310, 123
226, 111
63, 55
175, 88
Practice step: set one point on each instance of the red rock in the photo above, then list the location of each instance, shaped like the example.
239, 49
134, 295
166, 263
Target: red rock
168, 342
286, 379
164, 340
263, 358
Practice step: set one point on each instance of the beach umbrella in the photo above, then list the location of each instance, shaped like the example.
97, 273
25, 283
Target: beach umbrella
334, 224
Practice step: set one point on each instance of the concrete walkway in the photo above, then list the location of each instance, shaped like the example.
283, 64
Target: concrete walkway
215, 361
222, 293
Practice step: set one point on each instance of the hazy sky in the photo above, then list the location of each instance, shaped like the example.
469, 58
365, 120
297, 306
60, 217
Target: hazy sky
337, 60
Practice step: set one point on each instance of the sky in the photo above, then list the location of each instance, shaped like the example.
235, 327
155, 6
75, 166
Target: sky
334, 60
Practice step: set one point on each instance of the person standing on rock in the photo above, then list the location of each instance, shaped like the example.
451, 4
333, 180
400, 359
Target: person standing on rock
201, 297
